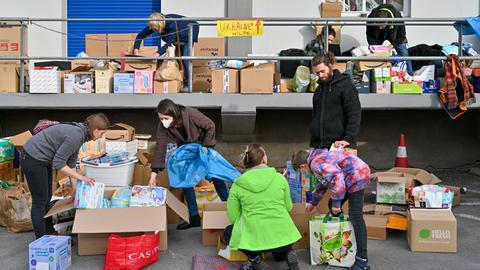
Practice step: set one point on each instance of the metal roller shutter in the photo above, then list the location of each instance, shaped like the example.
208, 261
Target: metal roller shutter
106, 9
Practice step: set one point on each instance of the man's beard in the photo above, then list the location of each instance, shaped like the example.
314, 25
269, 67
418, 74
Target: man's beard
330, 75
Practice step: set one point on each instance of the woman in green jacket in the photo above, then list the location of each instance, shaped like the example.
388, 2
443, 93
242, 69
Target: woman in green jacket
258, 207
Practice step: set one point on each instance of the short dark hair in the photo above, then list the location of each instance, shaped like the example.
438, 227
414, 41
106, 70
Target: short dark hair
299, 158
252, 156
331, 32
326, 59
168, 107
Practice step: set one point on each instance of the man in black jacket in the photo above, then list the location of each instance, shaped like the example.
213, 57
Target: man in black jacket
395, 34
336, 106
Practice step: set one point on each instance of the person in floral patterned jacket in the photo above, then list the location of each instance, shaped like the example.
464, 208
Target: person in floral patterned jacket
346, 176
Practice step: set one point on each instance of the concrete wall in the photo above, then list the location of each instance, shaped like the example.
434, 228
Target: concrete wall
40, 41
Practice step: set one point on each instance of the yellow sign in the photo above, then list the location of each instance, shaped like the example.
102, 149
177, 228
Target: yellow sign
239, 28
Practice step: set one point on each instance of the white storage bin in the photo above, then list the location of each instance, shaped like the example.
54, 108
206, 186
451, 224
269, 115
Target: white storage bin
112, 176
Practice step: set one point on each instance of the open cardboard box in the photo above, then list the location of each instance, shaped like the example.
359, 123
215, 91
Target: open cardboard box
416, 176
21, 139
391, 187
215, 220
120, 132
94, 226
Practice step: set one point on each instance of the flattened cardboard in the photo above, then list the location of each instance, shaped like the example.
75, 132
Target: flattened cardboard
59, 207
120, 132
432, 230
177, 206
376, 227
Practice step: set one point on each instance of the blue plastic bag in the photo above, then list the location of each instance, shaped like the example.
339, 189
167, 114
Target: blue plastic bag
470, 27
189, 164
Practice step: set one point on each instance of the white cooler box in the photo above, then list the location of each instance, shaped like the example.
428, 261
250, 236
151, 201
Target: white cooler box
112, 176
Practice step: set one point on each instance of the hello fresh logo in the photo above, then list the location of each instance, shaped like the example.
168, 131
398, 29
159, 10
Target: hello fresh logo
434, 234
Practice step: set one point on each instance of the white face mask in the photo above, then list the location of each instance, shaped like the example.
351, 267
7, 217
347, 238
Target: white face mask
167, 123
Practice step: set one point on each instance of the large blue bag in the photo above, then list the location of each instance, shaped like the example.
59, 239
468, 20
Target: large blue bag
189, 164
470, 27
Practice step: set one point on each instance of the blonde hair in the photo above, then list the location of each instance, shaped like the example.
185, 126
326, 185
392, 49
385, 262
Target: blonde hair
157, 26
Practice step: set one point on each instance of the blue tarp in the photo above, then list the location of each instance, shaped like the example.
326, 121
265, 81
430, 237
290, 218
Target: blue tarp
189, 164
470, 27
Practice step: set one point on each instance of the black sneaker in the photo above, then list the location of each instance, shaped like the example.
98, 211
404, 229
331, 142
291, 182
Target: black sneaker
256, 264
194, 222
292, 260
360, 264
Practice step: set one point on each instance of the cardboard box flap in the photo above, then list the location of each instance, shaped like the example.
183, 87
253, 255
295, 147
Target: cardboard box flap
419, 175
124, 126
59, 207
375, 221
387, 177
369, 208
21, 139
215, 206
117, 220
177, 206
215, 220
387, 210
144, 157
432, 214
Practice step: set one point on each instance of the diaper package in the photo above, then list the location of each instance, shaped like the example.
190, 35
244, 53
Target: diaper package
88, 196
146, 196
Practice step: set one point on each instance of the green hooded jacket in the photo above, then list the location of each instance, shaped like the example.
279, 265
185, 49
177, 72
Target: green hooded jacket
258, 205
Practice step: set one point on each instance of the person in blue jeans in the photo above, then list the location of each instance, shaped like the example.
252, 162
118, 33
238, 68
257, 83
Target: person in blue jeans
181, 125
168, 33
395, 34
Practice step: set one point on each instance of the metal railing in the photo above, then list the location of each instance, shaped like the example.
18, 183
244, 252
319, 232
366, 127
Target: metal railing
268, 21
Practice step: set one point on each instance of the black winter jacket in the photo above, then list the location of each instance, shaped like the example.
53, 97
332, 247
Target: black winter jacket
336, 112
396, 34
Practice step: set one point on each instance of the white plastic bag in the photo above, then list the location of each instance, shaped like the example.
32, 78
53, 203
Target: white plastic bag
425, 74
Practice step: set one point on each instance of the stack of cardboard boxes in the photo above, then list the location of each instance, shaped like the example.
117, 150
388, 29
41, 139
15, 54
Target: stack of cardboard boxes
381, 81
10, 37
432, 230
202, 74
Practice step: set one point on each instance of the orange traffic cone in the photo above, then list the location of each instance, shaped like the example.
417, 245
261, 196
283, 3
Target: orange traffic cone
402, 159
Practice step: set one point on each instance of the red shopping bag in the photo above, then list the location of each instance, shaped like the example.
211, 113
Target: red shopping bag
131, 253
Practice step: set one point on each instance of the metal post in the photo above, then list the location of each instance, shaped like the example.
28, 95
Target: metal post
325, 37
190, 64
21, 72
460, 40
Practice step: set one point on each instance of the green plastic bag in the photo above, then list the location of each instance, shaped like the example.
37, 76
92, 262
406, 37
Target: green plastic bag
4, 184
301, 79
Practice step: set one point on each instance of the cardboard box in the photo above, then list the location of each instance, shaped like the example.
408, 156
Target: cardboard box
170, 87
46, 81
50, 252
301, 219
143, 82
77, 82
123, 83
120, 132
380, 74
285, 85
381, 87
96, 45
10, 40
7, 172
342, 67
94, 226
143, 141
225, 81
368, 65
120, 43
376, 227
406, 88
228, 254
211, 46
9, 72
92, 148
103, 81
215, 220
20, 140
7, 150
202, 79
143, 171
140, 64
432, 230
416, 176
257, 80
391, 188
331, 9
